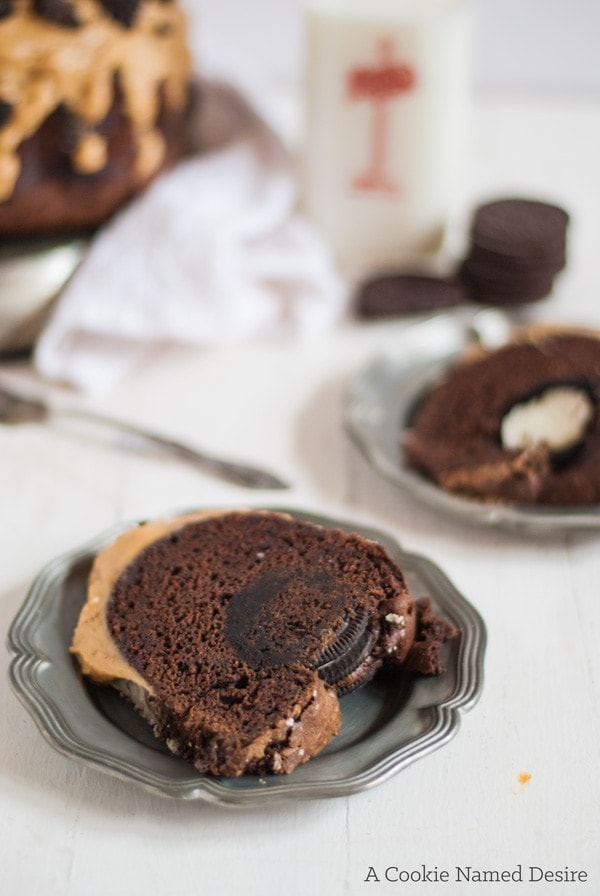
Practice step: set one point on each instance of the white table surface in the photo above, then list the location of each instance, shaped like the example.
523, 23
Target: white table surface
69, 830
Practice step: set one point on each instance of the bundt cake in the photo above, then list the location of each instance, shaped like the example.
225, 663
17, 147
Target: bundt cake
93, 100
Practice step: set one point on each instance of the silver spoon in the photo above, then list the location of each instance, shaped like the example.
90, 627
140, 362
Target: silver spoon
15, 408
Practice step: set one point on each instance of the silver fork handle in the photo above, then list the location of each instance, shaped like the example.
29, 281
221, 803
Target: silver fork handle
232, 471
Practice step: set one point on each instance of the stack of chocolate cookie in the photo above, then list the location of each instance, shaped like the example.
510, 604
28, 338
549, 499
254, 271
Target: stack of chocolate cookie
517, 247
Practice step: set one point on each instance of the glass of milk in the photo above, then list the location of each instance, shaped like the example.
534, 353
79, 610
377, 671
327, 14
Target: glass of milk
387, 88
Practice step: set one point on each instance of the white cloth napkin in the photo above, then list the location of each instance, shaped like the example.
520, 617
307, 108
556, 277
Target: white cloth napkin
214, 251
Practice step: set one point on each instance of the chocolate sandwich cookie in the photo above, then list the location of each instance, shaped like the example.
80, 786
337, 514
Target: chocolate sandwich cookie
523, 228
500, 262
347, 662
517, 248
235, 633
502, 286
351, 661
396, 294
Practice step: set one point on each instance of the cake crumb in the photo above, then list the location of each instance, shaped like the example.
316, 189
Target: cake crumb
394, 619
523, 778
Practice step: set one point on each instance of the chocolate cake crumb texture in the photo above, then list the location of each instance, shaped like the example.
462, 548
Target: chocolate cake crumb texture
247, 626
455, 436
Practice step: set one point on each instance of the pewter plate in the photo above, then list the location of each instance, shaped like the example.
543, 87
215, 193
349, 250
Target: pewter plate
379, 404
387, 724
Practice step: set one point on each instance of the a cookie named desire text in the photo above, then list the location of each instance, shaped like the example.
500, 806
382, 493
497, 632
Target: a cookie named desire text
466, 874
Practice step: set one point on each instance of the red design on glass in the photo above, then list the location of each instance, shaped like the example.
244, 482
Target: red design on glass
380, 84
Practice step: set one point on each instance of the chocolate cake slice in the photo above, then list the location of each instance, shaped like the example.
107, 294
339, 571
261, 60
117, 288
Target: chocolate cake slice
234, 633
517, 424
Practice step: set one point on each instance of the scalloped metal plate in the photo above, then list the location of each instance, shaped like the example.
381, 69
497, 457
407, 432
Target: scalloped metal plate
387, 724
378, 406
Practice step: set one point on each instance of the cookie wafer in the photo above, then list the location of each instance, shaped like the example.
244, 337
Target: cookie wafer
395, 294
521, 228
506, 288
498, 261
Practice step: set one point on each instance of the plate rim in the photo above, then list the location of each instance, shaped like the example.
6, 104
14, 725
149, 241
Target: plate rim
28, 661
378, 371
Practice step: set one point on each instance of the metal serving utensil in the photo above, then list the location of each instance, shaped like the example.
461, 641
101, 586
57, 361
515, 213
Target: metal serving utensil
16, 408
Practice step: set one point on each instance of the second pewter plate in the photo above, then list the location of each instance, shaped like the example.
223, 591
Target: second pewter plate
386, 725
379, 404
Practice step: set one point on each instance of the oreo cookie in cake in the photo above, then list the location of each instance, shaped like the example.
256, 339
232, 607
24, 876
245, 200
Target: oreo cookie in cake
518, 424
236, 633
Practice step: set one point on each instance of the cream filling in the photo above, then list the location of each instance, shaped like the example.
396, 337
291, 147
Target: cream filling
557, 418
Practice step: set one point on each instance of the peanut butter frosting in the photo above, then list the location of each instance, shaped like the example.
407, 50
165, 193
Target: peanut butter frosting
92, 644
74, 60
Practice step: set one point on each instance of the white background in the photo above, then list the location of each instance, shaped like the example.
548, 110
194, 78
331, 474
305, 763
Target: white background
532, 45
